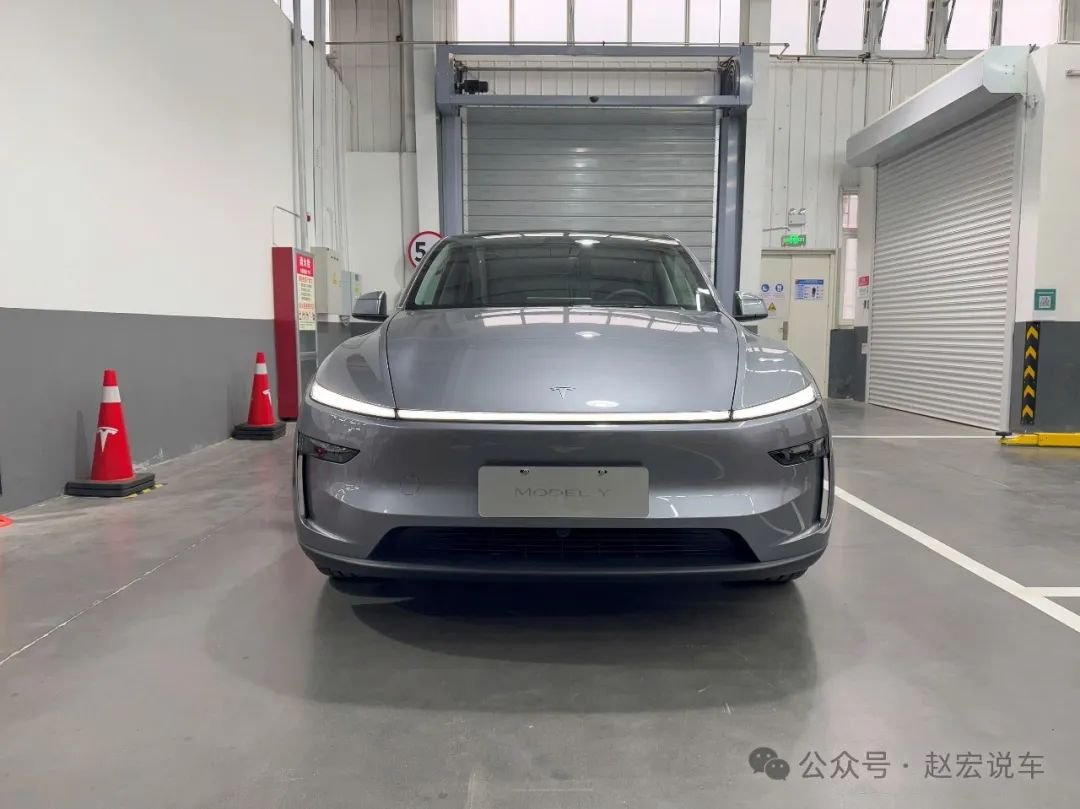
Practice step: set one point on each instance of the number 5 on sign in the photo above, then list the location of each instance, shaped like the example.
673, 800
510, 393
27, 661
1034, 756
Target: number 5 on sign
420, 244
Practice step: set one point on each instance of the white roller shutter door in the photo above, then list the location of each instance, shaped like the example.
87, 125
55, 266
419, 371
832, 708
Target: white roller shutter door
939, 323
643, 170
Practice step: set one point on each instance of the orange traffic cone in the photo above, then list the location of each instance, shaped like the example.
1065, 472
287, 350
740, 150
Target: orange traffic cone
260, 424
111, 474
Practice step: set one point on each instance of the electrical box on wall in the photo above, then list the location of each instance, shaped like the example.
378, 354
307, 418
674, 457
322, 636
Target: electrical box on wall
354, 281
333, 289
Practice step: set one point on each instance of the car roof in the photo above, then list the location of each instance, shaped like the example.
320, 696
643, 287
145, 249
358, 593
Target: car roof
556, 233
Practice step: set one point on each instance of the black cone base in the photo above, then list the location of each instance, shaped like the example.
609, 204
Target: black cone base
247, 432
110, 488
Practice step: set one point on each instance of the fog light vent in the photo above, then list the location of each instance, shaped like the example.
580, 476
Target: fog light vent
323, 450
801, 453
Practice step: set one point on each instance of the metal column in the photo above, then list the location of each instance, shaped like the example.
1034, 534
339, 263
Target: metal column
450, 172
729, 197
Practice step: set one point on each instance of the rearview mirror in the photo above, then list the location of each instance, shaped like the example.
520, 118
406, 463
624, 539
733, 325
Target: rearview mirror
750, 307
370, 306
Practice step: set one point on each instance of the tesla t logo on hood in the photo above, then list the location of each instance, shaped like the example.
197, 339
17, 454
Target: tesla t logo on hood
562, 390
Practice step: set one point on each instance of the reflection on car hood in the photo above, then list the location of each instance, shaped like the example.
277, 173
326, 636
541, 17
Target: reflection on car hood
562, 360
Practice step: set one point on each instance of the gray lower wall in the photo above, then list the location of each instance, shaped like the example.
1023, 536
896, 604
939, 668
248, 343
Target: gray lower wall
858, 378
841, 362
185, 381
1057, 396
847, 364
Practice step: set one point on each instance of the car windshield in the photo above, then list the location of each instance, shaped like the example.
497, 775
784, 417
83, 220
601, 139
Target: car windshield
515, 270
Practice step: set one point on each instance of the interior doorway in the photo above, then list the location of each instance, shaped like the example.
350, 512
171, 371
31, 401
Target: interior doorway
799, 288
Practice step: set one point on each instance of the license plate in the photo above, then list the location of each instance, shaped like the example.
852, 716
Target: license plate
563, 491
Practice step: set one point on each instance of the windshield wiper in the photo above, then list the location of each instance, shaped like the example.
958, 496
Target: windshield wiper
606, 304
569, 300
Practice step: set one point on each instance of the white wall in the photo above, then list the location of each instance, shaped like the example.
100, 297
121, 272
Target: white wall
379, 75
379, 78
805, 111
325, 147
1051, 179
816, 105
382, 220
373, 73
143, 158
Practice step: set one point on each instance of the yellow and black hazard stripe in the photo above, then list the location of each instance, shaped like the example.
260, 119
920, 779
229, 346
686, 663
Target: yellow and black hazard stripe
1030, 380
147, 490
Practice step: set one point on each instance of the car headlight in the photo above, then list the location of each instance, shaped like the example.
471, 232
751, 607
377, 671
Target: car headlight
807, 395
327, 397
318, 393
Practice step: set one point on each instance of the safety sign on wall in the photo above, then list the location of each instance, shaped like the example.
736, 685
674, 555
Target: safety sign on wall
420, 244
864, 287
1045, 300
775, 297
810, 289
305, 293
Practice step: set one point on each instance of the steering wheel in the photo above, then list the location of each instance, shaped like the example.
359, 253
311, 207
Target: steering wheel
641, 295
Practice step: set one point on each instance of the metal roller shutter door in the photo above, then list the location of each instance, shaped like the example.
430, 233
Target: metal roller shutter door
939, 321
643, 170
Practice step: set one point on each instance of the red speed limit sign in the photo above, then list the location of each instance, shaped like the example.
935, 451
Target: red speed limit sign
420, 244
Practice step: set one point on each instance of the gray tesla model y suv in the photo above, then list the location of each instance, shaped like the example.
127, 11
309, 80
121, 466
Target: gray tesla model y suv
562, 405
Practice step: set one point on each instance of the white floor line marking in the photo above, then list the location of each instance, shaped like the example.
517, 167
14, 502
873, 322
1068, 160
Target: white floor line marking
1036, 600
101, 601
944, 437
1056, 592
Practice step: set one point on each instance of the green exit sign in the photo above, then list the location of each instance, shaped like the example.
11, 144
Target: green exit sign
1045, 300
794, 240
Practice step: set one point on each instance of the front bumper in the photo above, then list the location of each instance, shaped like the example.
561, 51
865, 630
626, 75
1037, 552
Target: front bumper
703, 477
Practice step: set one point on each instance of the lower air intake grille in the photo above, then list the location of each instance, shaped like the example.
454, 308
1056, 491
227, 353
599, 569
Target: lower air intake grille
550, 546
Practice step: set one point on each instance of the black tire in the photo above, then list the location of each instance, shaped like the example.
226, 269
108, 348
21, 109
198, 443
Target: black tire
787, 577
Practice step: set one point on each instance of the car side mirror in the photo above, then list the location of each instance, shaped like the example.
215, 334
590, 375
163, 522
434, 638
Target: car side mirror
750, 307
370, 306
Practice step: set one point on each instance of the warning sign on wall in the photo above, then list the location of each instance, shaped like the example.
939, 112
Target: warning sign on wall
864, 287
305, 293
810, 289
776, 298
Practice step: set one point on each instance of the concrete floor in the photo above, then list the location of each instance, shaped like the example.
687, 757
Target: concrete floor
192, 657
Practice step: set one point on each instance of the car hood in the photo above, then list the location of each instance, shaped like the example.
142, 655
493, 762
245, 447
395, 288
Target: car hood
562, 360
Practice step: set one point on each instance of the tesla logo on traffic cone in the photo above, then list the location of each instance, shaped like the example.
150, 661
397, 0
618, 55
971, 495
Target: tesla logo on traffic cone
104, 433
111, 473
260, 424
